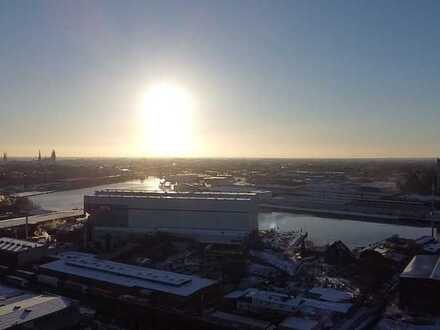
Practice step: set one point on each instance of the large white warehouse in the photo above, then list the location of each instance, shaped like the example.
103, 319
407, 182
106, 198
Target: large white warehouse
207, 217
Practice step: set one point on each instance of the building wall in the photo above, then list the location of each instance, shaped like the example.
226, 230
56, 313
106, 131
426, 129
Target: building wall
190, 219
153, 213
14, 259
420, 294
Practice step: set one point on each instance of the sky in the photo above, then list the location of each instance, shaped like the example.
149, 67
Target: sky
265, 78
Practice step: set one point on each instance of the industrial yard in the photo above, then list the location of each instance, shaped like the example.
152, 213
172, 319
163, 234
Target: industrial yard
191, 254
270, 280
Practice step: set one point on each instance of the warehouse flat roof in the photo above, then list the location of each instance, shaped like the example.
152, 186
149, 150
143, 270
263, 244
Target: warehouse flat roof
342, 308
423, 266
88, 266
170, 196
19, 307
36, 219
276, 298
279, 299
107, 192
331, 294
17, 245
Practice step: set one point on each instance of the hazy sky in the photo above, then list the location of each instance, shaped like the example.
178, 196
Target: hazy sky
269, 78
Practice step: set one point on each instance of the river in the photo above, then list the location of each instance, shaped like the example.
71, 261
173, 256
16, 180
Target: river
321, 230
73, 199
326, 230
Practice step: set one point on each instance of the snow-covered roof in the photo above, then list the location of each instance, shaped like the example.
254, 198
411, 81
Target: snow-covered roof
89, 266
423, 266
17, 245
273, 298
19, 307
331, 294
39, 218
298, 323
235, 294
432, 247
424, 240
243, 321
342, 308
289, 266
7, 292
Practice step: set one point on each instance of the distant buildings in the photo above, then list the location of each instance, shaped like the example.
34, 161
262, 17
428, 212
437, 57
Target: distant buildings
53, 156
207, 217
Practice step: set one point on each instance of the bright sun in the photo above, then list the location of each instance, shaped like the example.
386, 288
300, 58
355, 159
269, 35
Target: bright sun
168, 114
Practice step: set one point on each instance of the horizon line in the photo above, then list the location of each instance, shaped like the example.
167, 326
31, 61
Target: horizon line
31, 158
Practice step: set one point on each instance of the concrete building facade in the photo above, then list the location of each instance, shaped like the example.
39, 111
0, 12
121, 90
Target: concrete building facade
207, 217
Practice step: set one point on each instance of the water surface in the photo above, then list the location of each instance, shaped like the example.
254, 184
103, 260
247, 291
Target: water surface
321, 230
73, 199
326, 230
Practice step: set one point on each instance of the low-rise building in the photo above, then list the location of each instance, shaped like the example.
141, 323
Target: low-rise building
15, 252
25, 310
298, 323
420, 284
160, 287
234, 321
330, 294
259, 301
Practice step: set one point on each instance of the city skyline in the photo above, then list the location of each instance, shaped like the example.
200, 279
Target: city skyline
293, 79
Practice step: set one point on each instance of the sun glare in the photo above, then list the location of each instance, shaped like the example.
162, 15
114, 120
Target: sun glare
168, 115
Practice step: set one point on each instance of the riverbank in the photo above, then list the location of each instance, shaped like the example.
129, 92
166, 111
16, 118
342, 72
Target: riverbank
73, 184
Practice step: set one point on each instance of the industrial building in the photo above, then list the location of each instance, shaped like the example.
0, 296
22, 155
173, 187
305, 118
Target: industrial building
15, 252
234, 321
420, 284
90, 273
258, 301
206, 216
24, 310
298, 323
